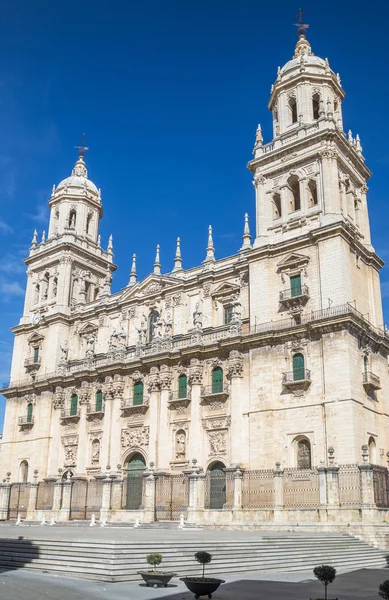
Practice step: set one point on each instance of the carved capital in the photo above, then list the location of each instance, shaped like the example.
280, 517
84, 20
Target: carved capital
195, 372
235, 364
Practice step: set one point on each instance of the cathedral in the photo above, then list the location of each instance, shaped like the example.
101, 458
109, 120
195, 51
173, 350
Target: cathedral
235, 391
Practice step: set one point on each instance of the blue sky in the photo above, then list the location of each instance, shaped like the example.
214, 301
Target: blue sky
169, 94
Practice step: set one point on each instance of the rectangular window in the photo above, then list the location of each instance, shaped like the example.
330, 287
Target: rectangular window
295, 285
227, 315
36, 355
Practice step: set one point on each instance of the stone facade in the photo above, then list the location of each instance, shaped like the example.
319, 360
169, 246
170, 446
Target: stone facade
274, 355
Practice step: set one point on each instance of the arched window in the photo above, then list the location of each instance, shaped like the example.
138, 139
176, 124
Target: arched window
135, 467
73, 405
72, 219
315, 105
304, 454
217, 380
153, 319
277, 210
138, 393
24, 471
99, 401
182, 386
298, 367
293, 110
294, 186
29, 413
312, 193
372, 450
216, 480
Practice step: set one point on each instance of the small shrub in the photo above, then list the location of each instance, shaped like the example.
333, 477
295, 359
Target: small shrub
326, 575
203, 558
154, 559
383, 590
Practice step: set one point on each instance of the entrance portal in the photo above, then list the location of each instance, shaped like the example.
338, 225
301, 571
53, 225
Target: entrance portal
135, 469
217, 486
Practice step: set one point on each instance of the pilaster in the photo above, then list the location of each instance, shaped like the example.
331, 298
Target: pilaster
64, 513
235, 372
149, 499
195, 381
4, 497
164, 441
278, 492
32, 497
154, 386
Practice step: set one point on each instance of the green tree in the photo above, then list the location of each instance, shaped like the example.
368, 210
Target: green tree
154, 559
203, 558
326, 575
383, 590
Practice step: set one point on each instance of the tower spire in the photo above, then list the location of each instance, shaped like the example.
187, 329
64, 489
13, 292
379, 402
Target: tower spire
157, 264
210, 248
246, 237
177, 258
133, 274
303, 47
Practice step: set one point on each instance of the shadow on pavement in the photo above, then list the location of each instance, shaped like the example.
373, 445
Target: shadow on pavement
16, 553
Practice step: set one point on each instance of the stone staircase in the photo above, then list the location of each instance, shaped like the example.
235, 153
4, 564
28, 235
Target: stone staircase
120, 561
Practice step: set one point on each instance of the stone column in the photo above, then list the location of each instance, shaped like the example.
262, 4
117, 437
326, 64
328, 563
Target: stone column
322, 485
196, 428
196, 495
261, 221
149, 499
154, 410
84, 399
278, 492
64, 513
106, 497
4, 498
32, 497
117, 490
164, 430
235, 371
57, 497
332, 479
64, 282
367, 487
331, 193
238, 484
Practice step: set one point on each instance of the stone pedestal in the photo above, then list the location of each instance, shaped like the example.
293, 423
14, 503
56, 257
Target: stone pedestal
196, 497
332, 479
57, 499
32, 501
238, 482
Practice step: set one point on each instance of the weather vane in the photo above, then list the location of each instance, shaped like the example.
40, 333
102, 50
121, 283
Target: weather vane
82, 149
301, 26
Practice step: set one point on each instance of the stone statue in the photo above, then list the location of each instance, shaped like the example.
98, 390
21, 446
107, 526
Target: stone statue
236, 309
113, 340
95, 452
217, 441
70, 455
55, 287
65, 351
142, 331
90, 345
157, 329
197, 317
121, 337
168, 326
72, 223
180, 445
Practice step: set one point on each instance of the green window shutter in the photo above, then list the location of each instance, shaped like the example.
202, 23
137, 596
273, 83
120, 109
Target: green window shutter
182, 387
73, 404
365, 365
99, 401
36, 355
298, 367
295, 285
29, 413
217, 380
138, 393
228, 315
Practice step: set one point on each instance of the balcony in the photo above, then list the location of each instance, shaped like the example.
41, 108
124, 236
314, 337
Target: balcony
211, 393
175, 400
94, 415
69, 416
300, 378
371, 381
32, 364
129, 408
294, 296
26, 422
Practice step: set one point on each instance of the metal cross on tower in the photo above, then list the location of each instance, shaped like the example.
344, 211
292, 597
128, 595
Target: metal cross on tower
301, 26
82, 148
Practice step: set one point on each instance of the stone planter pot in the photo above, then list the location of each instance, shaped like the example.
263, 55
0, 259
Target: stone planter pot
156, 579
202, 587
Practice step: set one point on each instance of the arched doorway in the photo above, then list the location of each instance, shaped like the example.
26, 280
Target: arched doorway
135, 468
217, 486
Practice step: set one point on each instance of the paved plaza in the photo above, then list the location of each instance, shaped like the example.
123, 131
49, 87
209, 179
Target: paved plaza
24, 585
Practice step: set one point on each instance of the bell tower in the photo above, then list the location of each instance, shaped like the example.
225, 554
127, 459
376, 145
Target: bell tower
69, 268
311, 174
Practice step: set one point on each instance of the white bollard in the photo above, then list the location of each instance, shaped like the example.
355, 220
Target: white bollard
18, 520
43, 522
103, 522
52, 520
182, 522
92, 520
137, 523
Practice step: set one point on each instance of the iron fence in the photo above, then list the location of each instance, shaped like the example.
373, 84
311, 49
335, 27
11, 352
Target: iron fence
349, 485
18, 500
171, 496
381, 486
45, 495
301, 488
258, 489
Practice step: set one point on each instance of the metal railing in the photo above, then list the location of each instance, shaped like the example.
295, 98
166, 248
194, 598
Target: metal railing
92, 410
296, 376
214, 390
68, 413
129, 403
175, 396
301, 291
33, 360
